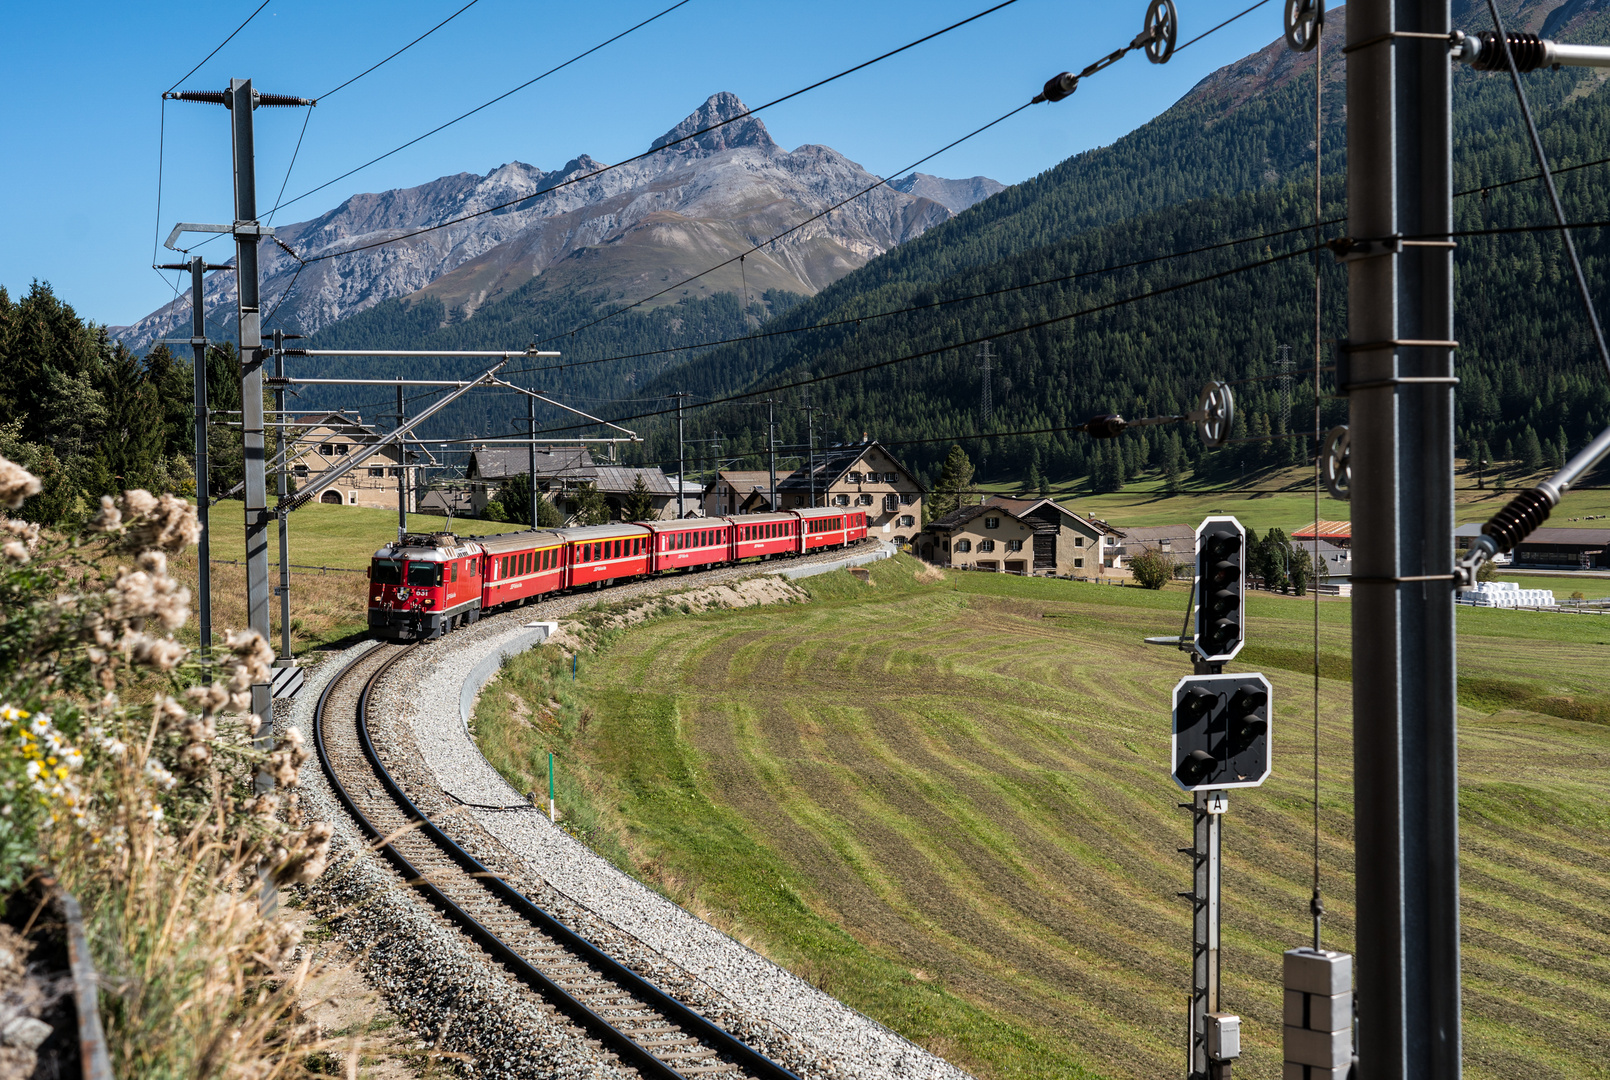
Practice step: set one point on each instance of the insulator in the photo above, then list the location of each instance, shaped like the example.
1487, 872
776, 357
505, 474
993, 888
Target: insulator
1059, 86
1527, 49
1516, 521
1105, 426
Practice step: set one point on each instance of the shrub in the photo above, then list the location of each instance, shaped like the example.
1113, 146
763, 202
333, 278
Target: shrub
1152, 568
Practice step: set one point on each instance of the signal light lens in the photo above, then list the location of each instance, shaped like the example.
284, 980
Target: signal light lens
1196, 767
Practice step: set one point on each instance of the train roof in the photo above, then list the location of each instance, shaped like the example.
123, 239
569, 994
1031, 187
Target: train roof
429, 547
520, 541
612, 531
825, 511
750, 519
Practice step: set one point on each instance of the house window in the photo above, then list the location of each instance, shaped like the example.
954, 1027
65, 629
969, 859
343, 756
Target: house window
890, 504
374, 471
889, 478
908, 500
841, 500
992, 523
1014, 545
986, 545
1078, 541
865, 499
299, 470
906, 521
394, 472
340, 449
855, 478
326, 450
1078, 564
352, 498
964, 545
899, 540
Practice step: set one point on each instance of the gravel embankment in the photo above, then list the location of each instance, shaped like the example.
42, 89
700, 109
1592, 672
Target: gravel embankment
753, 996
452, 996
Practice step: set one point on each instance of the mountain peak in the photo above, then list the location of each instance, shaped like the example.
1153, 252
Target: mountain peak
717, 109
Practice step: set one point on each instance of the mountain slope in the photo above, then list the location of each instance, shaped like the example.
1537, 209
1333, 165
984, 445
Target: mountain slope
668, 215
1240, 139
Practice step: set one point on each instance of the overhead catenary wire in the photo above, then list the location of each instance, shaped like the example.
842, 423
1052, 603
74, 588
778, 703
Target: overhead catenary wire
661, 147
1221, 26
400, 51
220, 45
485, 105
978, 340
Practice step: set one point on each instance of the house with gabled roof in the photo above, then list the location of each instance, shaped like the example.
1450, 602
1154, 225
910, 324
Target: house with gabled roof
864, 475
321, 443
732, 490
561, 472
1022, 536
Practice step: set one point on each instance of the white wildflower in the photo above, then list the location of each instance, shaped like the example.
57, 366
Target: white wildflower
16, 484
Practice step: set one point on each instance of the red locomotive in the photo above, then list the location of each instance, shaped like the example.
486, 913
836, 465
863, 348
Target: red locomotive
431, 583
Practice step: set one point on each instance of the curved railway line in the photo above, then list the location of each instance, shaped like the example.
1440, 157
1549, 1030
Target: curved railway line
646, 1029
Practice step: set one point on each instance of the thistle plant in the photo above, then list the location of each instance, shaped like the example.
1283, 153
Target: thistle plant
126, 773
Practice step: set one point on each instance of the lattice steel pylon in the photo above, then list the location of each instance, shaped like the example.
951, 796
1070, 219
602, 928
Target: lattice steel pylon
986, 407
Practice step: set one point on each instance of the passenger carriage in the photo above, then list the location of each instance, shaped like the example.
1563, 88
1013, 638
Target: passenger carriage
600, 554
830, 526
522, 566
766, 535
689, 543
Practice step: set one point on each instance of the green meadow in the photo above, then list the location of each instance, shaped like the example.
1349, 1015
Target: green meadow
947, 803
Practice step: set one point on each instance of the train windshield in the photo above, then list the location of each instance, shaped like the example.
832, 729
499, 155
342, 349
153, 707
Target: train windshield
424, 573
386, 572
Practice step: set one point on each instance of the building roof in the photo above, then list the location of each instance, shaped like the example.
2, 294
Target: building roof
1021, 509
831, 465
566, 464
1593, 537
1334, 530
499, 462
744, 480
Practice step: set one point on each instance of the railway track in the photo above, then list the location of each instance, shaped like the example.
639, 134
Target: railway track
644, 1027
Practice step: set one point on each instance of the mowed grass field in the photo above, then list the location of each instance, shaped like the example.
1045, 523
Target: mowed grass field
948, 804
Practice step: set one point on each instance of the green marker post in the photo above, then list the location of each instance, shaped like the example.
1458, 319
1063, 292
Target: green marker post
551, 815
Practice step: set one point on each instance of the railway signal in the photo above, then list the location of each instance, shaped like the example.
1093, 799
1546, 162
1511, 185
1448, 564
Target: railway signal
1221, 581
1221, 732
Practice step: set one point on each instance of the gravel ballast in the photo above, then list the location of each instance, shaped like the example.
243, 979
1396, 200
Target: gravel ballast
443, 985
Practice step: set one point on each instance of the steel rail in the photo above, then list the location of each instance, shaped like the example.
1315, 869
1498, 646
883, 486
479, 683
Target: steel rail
691, 1022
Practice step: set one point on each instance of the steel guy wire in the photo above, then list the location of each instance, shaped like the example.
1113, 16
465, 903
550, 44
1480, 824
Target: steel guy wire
485, 105
1553, 193
306, 116
995, 336
1110, 305
400, 51
664, 146
1221, 26
221, 44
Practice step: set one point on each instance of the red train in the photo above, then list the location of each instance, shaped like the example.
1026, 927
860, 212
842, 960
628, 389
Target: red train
430, 584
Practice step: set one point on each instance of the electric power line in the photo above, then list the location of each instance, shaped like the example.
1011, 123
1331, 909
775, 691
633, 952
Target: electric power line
221, 44
400, 51
478, 108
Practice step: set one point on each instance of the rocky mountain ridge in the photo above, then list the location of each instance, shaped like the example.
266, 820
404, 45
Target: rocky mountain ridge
621, 232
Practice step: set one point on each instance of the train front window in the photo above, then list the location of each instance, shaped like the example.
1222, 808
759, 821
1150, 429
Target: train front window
386, 572
424, 573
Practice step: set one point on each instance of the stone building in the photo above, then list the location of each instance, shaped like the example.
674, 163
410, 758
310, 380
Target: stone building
324, 443
1022, 536
863, 475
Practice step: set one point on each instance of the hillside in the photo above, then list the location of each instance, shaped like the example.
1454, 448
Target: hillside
946, 802
1230, 160
610, 234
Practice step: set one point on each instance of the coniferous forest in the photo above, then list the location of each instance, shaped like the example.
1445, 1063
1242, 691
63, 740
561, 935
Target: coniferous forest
1083, 239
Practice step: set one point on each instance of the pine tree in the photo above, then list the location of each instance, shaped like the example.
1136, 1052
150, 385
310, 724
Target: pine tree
131, 441
639, 501
953, 486
1531, 450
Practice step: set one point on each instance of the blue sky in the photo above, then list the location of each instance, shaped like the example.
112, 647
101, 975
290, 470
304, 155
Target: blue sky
83, 86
